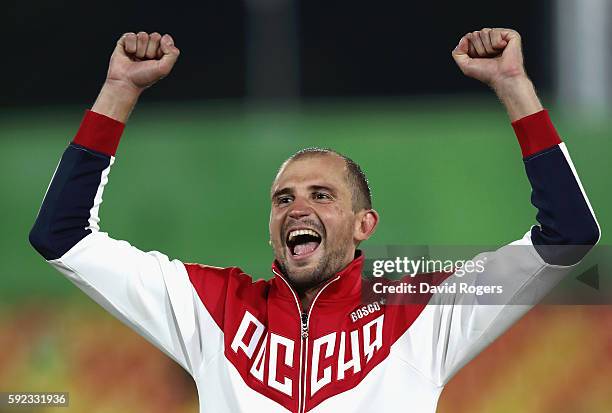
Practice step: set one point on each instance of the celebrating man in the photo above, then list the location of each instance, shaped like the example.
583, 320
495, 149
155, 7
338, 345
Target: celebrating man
306, 340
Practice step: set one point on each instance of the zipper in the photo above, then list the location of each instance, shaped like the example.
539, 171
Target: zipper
303, 330
304, 344
305, 319
304, 325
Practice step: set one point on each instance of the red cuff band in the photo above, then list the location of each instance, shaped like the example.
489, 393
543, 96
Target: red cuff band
99, 133
535, 133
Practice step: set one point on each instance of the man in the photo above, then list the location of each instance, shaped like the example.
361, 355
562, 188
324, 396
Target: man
298, 342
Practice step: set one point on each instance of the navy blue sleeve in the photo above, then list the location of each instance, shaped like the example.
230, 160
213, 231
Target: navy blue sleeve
64, 216
567, 227
69, 211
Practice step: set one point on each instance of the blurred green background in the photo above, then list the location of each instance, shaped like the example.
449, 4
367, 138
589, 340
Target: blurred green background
193, 182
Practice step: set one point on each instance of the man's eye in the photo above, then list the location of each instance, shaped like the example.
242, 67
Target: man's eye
322, 195
284, 200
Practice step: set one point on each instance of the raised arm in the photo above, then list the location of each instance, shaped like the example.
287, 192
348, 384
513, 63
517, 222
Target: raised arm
454, 328
568, 228
146, 290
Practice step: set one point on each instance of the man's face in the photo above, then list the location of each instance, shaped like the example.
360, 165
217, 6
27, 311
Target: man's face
312, 222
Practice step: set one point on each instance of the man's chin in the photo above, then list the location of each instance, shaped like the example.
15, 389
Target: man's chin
301, 271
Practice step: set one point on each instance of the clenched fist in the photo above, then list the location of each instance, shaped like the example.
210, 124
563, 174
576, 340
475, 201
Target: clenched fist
140, 60
490, 55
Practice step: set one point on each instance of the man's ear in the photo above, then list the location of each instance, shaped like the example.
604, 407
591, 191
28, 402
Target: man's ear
365, 224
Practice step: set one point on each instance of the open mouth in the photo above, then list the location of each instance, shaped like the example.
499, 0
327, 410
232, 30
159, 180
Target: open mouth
302, 242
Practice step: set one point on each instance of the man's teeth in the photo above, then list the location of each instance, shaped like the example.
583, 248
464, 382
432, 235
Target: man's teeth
295, 233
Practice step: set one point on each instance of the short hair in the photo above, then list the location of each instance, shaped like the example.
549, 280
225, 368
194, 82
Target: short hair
360, 187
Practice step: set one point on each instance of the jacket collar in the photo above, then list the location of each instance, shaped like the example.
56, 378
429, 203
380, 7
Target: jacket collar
345, 283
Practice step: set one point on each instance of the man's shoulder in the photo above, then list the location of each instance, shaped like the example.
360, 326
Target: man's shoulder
199, 273
224, 291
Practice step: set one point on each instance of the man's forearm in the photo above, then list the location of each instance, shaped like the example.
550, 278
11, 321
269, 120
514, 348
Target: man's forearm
518, 96
116, 100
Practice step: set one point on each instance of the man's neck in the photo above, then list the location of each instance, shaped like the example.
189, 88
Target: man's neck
308, 296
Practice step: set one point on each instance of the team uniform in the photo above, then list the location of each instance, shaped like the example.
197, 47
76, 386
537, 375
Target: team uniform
251, 347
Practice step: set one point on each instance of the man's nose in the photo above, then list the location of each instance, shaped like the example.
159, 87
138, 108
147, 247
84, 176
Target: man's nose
300, 208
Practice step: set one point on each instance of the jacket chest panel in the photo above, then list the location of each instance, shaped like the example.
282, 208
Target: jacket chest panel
299, 359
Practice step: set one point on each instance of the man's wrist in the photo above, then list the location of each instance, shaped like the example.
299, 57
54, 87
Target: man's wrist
518, 96
510, 85
116, 100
